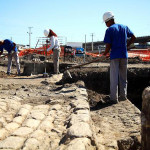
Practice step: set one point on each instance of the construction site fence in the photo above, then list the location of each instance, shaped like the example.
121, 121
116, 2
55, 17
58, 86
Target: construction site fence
40, 51
142, 54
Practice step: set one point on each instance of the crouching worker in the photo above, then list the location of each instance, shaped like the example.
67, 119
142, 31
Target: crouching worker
12, 50
55, 46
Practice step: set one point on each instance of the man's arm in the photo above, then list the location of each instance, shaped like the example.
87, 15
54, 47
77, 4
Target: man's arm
132, 39
52, 41
107, 49
14, 46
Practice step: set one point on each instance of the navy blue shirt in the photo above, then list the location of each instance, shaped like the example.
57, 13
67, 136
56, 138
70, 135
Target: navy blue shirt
8, 46
117, 35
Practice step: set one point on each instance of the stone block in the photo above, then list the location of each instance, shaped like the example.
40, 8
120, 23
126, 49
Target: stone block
23, 112
12, 126
36, 115
23, 132
80, 144
80, 104
12, 142
52, 113
13, 105
82, 91
39, 135
76, 118
3, 121
41, 109
3, 133
31, 144
3, 106
8, 116
80, 129
27, 106
19, 119
46, 125
31, 123
82, 111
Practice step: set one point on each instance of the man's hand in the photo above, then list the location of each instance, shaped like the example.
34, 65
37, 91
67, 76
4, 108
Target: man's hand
1, 52
47, 41
132, 39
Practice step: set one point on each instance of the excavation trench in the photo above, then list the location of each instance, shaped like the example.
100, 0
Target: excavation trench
97, 83
119, 125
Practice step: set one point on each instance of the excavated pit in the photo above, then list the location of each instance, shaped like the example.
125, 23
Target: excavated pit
97, 82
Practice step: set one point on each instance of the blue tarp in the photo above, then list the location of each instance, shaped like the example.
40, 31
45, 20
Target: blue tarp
79, 51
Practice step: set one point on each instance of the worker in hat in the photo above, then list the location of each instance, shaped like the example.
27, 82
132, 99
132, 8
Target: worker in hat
12, 50
116, 43
55, 46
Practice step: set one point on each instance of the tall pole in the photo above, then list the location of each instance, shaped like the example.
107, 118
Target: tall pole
92, 40
30, 36
85, 43
65, 40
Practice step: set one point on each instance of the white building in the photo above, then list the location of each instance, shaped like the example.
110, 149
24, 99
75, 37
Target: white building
74, 44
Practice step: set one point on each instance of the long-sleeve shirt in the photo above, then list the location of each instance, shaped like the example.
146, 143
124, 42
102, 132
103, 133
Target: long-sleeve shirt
54, 43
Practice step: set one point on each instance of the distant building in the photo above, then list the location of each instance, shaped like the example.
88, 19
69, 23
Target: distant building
74, 44
22, 47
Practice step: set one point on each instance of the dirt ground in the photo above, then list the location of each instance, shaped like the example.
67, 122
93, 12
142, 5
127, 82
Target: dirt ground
33, 90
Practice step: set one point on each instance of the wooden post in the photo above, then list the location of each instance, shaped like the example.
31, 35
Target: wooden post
145, 119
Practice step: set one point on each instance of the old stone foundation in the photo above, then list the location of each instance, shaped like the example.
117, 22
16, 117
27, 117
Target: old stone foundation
96, 77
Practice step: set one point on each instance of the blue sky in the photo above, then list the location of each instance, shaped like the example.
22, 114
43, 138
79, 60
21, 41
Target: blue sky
70, 18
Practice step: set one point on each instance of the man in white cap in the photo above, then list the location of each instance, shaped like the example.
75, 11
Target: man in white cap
55, 46
12, 50
116, 43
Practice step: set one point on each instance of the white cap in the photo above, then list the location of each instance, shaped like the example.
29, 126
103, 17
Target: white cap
108, 16
46, 32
